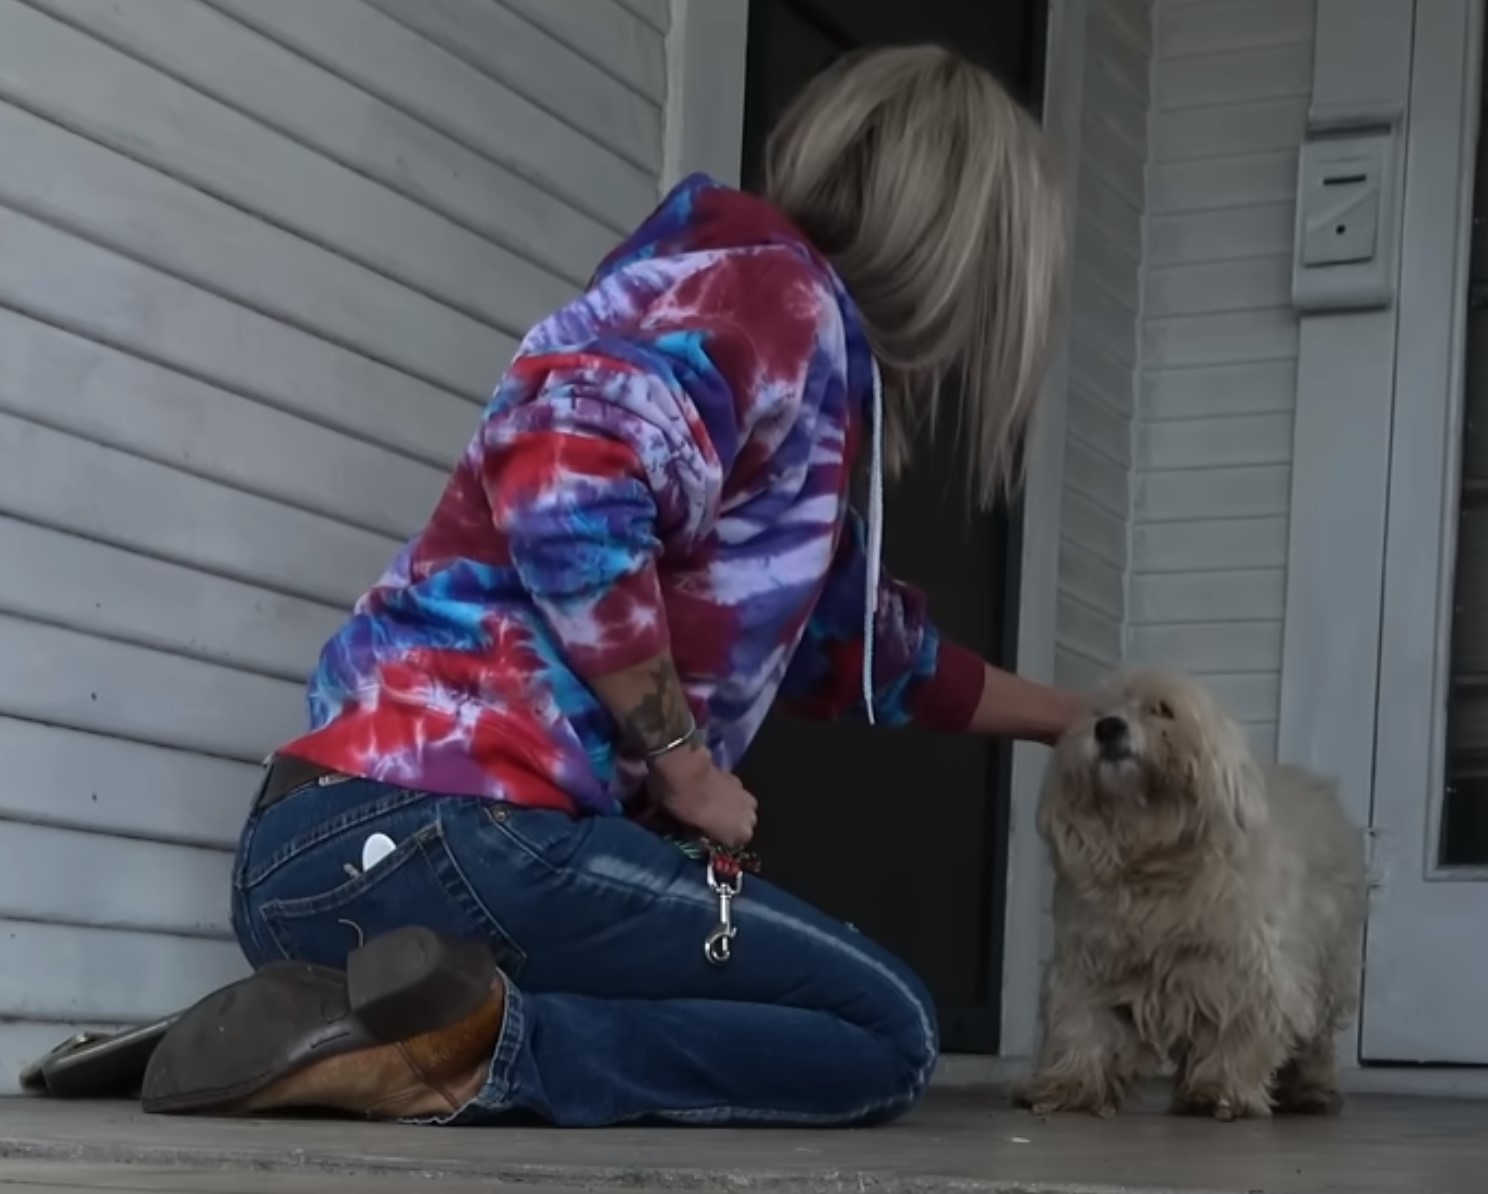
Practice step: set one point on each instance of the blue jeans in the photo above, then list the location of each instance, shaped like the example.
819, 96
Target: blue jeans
613, 1013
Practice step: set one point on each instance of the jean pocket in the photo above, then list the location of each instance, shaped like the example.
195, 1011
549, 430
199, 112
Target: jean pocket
419, 883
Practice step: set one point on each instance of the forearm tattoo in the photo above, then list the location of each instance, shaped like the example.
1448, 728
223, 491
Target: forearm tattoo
661, 716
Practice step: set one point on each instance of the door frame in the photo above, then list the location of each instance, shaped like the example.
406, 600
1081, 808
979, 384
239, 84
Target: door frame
703, 118
1027, 924
1400, 1021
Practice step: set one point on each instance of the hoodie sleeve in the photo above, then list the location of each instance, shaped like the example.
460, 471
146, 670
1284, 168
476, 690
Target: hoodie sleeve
589, 483
919, 678
602, 461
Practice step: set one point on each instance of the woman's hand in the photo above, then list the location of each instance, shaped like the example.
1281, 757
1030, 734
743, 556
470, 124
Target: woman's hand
656, 724
694, 790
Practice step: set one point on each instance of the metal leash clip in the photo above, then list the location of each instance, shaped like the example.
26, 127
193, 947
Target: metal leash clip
718, 947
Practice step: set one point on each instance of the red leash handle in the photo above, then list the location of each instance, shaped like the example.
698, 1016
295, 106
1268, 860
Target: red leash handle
728, 863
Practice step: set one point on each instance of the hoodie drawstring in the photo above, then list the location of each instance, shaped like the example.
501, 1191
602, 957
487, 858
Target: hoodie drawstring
875, 540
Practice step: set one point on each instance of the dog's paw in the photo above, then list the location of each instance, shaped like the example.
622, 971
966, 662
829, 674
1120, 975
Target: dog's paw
1223, 1105
1048, 1095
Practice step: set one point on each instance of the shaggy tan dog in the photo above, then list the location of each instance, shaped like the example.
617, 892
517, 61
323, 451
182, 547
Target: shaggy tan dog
1207, 914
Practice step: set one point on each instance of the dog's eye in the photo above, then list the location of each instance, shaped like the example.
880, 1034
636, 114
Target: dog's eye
1162, 710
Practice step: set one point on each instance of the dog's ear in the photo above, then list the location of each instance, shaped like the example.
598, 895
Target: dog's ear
1235, 779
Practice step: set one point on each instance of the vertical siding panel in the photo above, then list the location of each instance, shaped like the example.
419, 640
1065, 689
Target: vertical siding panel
1213, 444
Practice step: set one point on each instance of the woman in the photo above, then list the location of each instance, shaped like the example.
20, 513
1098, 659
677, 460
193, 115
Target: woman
646, 545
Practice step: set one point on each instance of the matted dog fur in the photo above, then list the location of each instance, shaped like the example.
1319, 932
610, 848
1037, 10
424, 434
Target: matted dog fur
1208, 913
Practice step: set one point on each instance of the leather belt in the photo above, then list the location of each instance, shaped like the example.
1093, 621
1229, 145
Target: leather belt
286, 774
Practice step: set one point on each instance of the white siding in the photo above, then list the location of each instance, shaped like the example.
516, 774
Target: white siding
1105, 343
261, 261
1219, 348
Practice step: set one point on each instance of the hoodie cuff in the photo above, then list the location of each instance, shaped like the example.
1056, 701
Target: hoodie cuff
947, 700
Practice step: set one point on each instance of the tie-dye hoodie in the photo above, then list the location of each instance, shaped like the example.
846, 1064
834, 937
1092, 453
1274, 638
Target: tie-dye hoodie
664, 466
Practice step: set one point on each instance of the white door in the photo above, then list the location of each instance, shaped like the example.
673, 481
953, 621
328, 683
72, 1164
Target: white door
1426, 972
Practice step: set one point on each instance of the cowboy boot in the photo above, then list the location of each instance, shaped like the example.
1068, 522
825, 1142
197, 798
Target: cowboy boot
406, 1031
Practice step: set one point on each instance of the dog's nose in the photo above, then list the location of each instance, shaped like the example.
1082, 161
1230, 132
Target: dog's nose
1110, 730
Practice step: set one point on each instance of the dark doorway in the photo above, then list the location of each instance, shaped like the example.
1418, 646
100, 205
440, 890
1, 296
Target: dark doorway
904, 834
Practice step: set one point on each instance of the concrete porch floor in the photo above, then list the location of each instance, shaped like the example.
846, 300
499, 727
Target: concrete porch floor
961, 1140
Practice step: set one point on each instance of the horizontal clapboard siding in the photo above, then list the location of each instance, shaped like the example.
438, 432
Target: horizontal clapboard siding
504, 45
1213, 444
261, 263
83, 978
1105, 343
371, 50
611, 36
353, 128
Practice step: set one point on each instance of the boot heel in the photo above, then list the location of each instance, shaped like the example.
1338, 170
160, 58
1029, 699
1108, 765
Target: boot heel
414, 981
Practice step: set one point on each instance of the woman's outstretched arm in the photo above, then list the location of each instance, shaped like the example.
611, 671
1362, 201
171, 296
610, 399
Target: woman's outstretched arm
920, 677
1012, 707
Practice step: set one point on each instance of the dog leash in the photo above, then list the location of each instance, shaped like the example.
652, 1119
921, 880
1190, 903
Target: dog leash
726, 868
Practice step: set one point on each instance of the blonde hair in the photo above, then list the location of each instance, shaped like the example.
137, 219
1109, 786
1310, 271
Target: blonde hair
936, 198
